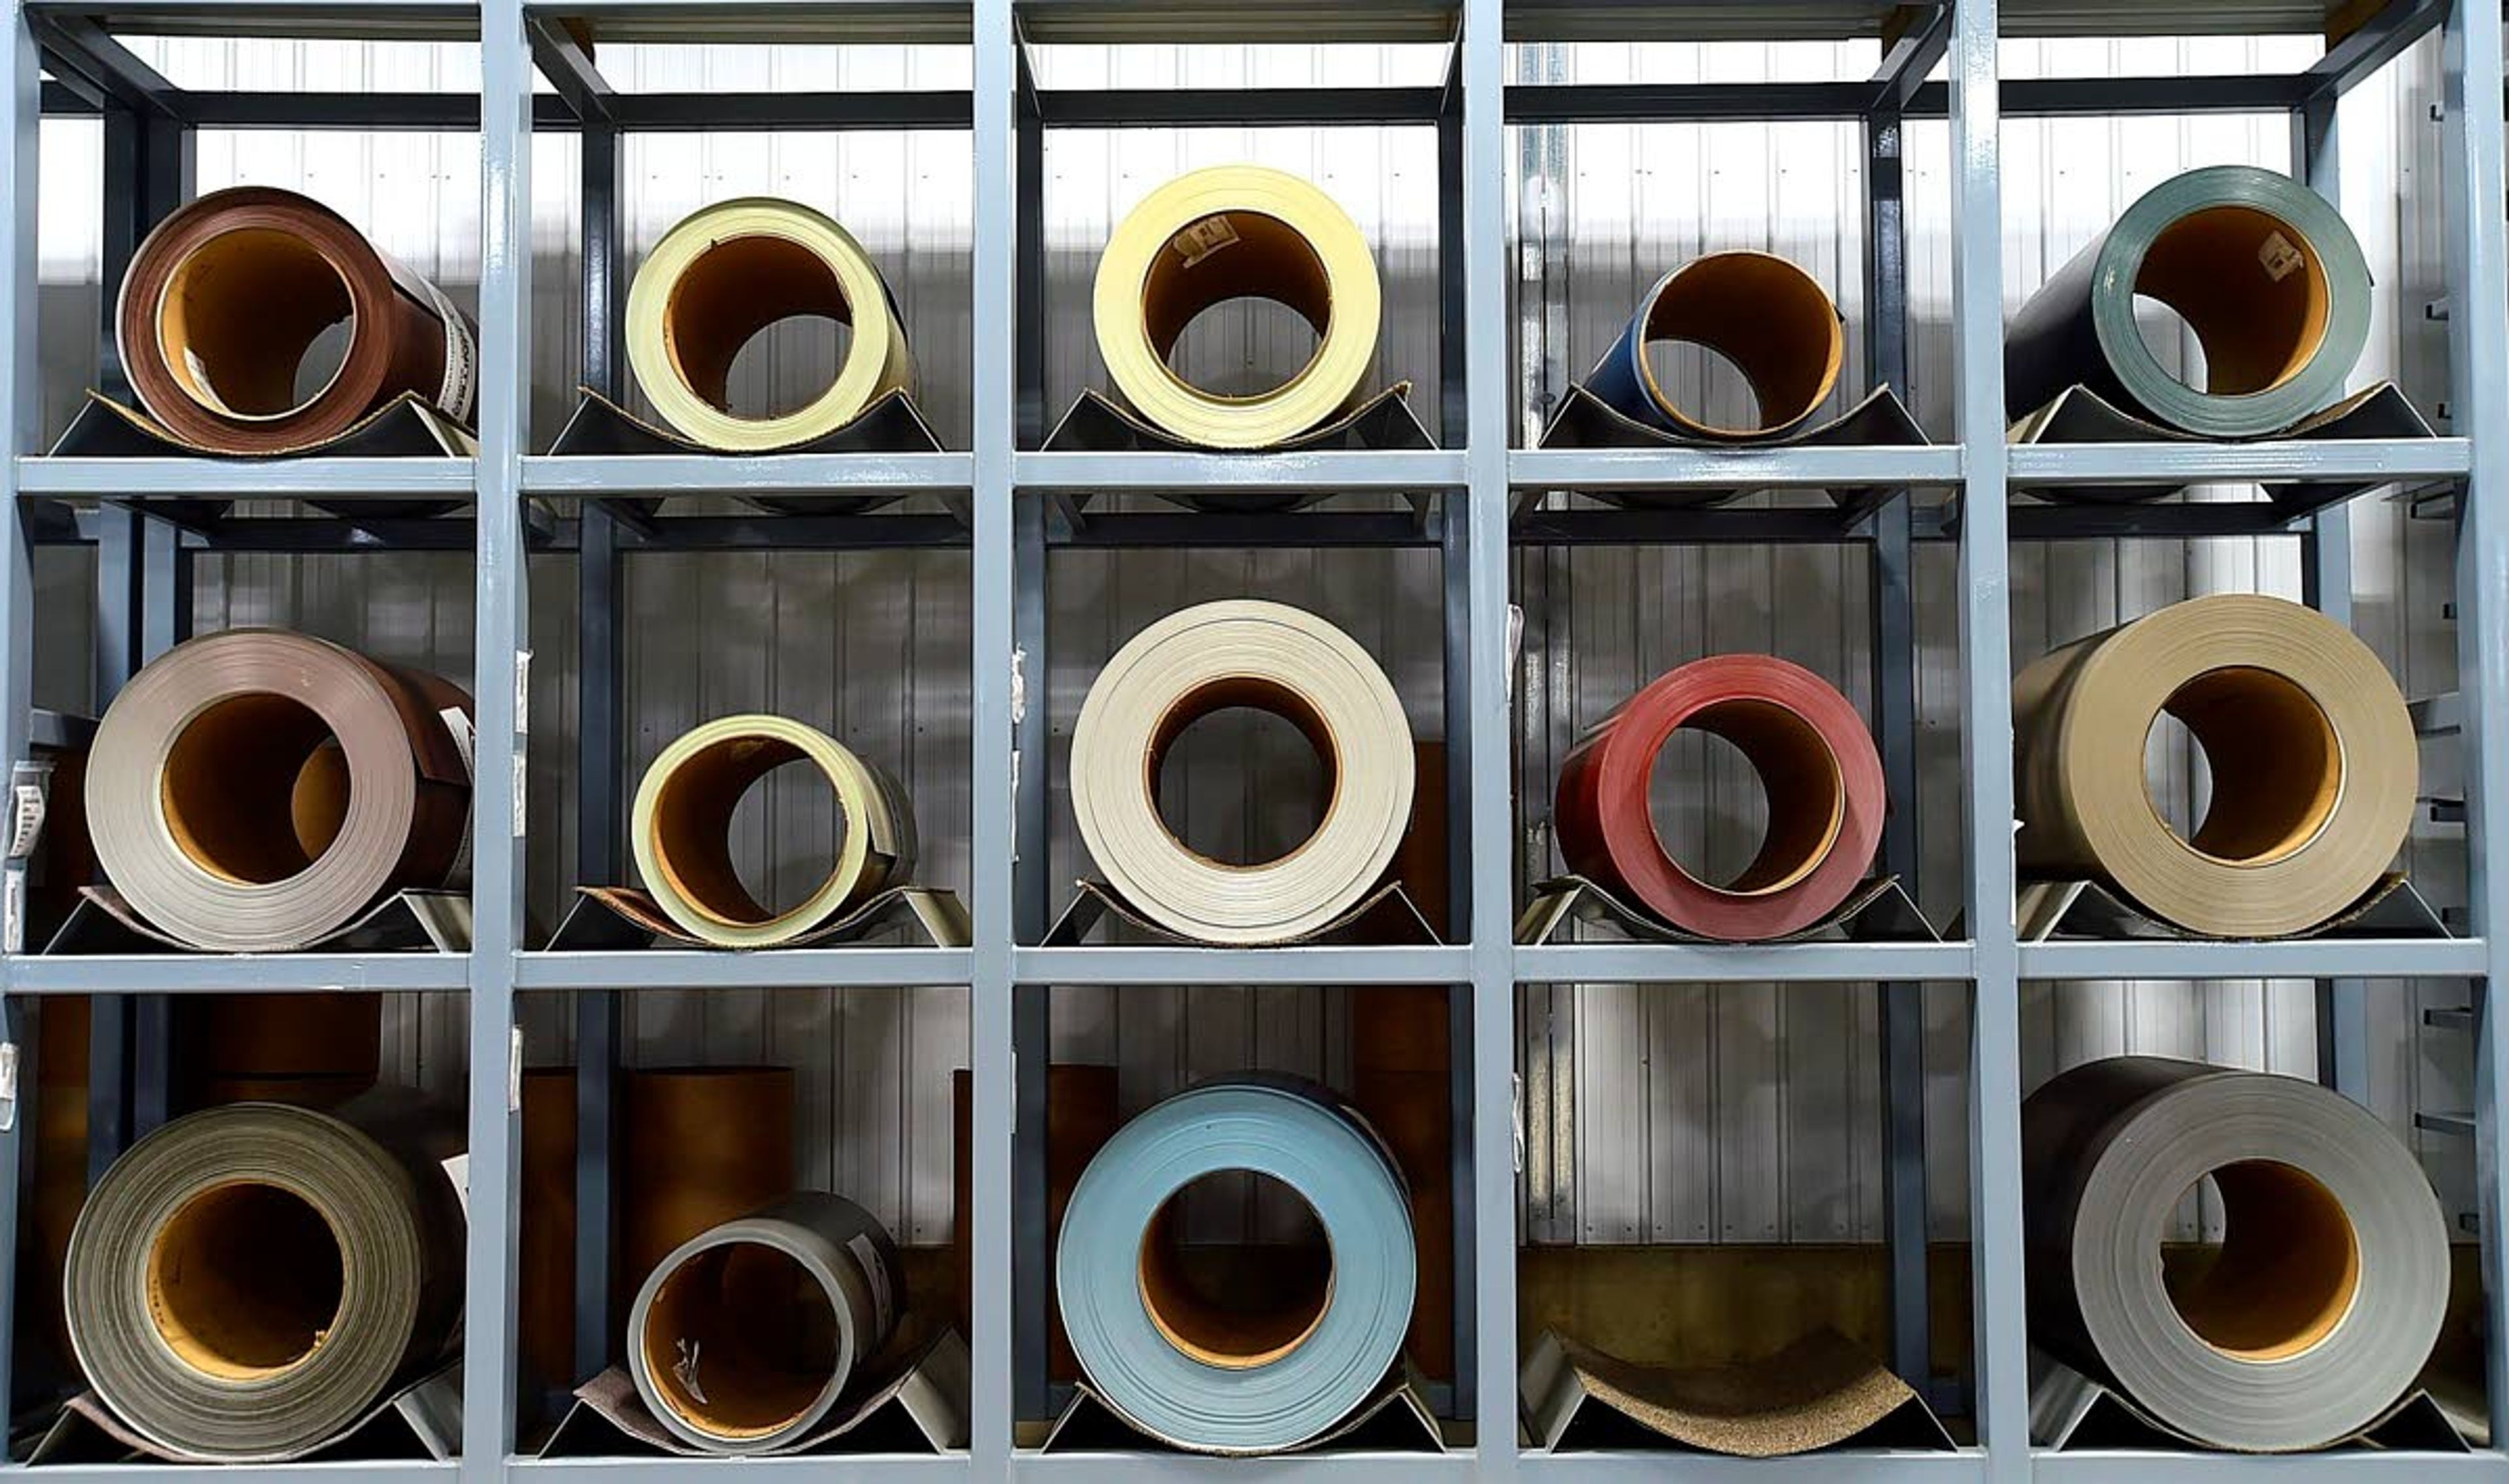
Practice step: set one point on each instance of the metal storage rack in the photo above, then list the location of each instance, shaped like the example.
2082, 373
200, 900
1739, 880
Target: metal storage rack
1004, 491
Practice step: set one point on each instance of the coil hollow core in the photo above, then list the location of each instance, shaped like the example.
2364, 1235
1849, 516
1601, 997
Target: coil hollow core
730, 292
2289, 1268
1267, 258
1799, 776
1766, 317
2258, 329
244, 1280
239, 315
740, 1340
240, 766
2277, 761
1228, 1336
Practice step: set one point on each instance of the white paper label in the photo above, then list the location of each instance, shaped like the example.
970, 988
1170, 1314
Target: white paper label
461, 382
1019, 686
522, 693
25, 820
466, 743
13, 909
876, 1276
514, 1071
522, 773
8, 1086
458, 1170
1203, 239
2280, 258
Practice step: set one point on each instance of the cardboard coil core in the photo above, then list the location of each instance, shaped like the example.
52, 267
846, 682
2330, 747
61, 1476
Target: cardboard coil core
2330, 1282
226, 301
256, 791
1235, 232
1275, 658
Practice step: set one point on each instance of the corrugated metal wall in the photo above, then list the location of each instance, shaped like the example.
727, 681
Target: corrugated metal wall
1740, 1112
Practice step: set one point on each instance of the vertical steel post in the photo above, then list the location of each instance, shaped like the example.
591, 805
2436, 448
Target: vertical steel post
501, 627
1481, 188
992, 811
2326, 585
1894, 725
1986, 745
21, 422
600, 770
2478, 324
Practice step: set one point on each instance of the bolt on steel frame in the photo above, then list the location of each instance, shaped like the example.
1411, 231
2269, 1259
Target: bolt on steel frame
1007, 513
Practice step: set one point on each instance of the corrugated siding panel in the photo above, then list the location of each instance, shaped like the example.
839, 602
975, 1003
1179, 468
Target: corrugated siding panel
1745, 1112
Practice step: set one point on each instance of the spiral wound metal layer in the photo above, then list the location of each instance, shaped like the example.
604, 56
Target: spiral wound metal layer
256, 791
726, 272
1274, 658
2333, 1275
246, 1283
225, 298
2263, 270
743, 1339
2314, 762
1816, 765
682, 827
1235, 232
1769, 318
1236, 1383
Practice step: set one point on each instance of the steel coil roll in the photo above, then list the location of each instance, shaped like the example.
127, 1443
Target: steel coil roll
2312, 749
1223, 1381
246, 1283
2261, 269
225, 298
1817, 764
1769, 318
746, 1336
1210, 658
682, 828
255, 791
2333, 1274
730, 271
1235, 232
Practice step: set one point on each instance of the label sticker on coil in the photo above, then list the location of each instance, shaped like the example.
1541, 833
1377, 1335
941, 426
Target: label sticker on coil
876, 1274
2280, 258
1203, 239
461, 382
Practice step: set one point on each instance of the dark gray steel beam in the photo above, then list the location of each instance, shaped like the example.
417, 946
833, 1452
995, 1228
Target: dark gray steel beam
2374, 43
569, 68
426, 112
79, 46
754, 112
1237, 107
1909, 61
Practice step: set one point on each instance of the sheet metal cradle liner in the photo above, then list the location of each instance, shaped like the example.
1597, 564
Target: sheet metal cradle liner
1275, 658
2261, 269
683, 818
1817, 764
1234, 232
732, 270
1142, 1342
224, 299
747, 1334
255, 790
1769, 318
247, 1281
2333, 1272
2312, 757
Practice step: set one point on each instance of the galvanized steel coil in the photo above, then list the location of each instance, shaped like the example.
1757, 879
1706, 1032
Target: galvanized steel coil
1232, 1382
2312, 754
2263, 270
2332, 1280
